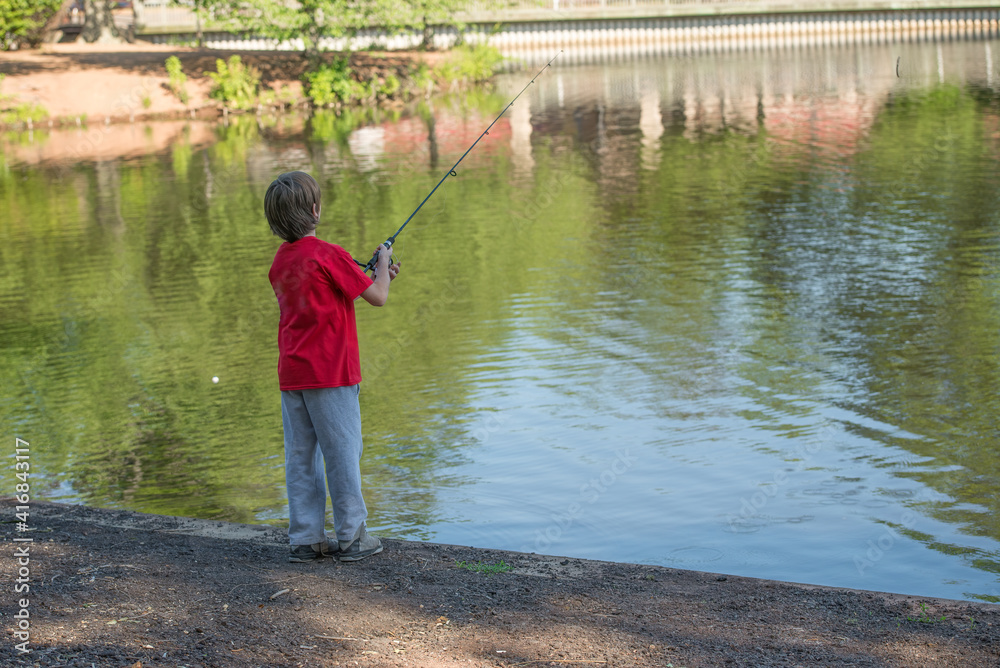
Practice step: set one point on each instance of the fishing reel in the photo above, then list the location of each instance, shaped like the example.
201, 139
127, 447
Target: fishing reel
370, 265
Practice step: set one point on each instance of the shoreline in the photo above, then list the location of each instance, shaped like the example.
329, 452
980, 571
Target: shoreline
82, 84
117, 588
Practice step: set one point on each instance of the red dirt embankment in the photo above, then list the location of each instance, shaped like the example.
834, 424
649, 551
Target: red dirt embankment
101, 83
97, 96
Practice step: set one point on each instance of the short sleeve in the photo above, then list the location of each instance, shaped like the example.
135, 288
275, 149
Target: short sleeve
346, 274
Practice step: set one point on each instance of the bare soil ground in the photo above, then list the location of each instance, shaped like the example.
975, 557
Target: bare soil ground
99, 83
116, 588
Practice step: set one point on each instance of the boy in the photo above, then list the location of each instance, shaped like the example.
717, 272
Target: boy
319, 372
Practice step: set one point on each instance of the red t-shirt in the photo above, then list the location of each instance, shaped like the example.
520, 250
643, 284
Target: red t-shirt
316, 283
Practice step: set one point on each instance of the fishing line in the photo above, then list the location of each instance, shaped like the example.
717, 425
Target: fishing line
451, 172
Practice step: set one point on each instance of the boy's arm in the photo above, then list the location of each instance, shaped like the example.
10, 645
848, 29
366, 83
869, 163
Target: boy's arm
377, 293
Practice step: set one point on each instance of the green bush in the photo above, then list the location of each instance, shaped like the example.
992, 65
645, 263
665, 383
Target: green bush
470, 63
22, 113
333, 83
236, 84
178, 80
389, 87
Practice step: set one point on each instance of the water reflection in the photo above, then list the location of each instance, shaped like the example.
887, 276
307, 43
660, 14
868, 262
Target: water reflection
708, 312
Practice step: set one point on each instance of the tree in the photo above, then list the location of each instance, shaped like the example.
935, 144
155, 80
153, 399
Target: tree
314, 20
98, 22
425, 14
22, 21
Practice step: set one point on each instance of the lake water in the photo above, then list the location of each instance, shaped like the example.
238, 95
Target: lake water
736, 313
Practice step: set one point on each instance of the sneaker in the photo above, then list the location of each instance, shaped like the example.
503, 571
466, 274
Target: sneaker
304, 553
361, 547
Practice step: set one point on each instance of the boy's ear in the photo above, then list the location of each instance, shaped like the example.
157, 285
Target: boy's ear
316, 210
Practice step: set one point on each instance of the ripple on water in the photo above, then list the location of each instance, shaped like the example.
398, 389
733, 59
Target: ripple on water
694, 554
757, 522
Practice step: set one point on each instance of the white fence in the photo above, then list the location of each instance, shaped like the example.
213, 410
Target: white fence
161, 16
582, 38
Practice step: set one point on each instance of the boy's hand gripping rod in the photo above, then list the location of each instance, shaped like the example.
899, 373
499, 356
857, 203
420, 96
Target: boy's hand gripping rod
451, 172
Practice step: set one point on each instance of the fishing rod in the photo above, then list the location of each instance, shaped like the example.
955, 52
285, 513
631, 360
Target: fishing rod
451, 172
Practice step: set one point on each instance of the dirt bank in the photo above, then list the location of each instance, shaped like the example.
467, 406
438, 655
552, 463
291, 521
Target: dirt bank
98, 83
114, 588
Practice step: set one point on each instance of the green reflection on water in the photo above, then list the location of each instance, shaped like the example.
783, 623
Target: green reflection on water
931, 332
866, 277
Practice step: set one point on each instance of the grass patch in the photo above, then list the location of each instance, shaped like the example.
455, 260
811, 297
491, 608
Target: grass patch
485, 569
925, 618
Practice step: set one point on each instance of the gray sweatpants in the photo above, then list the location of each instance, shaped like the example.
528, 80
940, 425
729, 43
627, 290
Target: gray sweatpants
323, 447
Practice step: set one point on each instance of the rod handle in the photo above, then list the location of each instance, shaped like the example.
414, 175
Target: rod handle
372, 262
